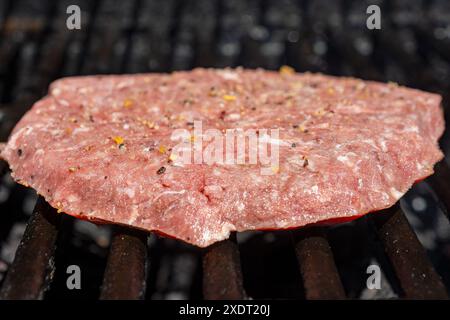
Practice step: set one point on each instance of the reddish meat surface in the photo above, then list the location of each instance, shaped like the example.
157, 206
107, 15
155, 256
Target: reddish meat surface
99, 148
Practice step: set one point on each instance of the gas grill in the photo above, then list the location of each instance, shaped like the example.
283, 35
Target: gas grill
315, 262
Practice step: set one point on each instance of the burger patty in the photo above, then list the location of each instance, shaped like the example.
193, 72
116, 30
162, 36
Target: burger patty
103, 148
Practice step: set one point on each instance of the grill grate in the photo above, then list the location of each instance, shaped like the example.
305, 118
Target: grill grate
35, 49
416, 275
32, 269
125, 273
222, 274
317, 267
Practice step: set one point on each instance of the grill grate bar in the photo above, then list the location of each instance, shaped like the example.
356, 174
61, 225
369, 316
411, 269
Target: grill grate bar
125, 274
222, 274
440, 183
32, 269
319, 273
415, 273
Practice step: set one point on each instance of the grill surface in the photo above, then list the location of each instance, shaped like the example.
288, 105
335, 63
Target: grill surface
159, 36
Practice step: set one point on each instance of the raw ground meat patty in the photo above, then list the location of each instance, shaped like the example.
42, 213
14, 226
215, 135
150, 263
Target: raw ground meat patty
99, 148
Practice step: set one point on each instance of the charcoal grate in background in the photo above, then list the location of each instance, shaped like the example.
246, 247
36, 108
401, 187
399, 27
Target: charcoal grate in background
413, 48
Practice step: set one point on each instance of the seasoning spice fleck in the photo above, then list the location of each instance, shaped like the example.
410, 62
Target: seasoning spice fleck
212, 92
172, 157
229, 97
161, 170
287, 70
128, 103
305, 161
118, 140
162, 149
302, 128
150, 125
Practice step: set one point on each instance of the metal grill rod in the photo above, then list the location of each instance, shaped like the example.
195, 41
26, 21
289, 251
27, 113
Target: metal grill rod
440, 183
126, 269
415, 273
32, 270
222, 274
319, 273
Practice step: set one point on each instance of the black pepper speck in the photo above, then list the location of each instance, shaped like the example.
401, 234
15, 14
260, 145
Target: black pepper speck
161, 170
